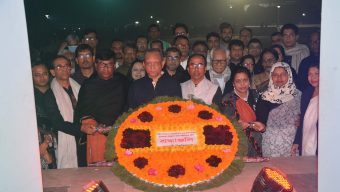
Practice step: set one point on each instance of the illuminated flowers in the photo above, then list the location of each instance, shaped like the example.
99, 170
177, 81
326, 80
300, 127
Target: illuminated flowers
140, 162
174, 108
205, 115
145, 116
176, 171
195, 137
213, 161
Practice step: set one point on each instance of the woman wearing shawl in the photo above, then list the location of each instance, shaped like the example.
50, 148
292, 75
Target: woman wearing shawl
240, 104
278, 108
306, 139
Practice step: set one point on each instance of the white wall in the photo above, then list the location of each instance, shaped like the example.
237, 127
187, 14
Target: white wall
329, 126
19, 154
19, 158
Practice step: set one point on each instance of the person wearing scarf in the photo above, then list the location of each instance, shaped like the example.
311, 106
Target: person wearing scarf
220, 72
306, 139
279, 108
65, 90
240, 104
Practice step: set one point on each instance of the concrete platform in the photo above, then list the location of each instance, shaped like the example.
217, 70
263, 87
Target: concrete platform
301, 171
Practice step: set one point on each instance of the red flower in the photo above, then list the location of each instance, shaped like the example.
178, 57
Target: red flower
174, 108
135, 139
140, 162
213, 161
176, 171
145, 116
217, 135
205, 115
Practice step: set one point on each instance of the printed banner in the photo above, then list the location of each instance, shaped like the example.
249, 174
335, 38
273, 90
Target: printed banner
176, 138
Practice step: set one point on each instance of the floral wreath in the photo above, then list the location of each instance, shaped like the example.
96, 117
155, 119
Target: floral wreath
193, 149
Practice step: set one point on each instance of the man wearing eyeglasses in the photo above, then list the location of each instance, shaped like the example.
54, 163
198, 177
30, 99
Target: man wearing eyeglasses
60, 102
85, 60
101, 102
173, 67
199, 87
220, 72
90, 38
155, 83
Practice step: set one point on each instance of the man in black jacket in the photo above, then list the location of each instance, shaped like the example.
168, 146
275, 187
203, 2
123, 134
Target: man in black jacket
101, 99
155, 83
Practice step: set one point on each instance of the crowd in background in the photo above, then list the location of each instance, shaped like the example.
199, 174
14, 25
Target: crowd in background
272, 91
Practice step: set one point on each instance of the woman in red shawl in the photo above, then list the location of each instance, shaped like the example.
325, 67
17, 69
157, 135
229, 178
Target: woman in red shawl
240, 104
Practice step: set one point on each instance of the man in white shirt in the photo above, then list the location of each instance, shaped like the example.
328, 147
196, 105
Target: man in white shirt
220, 72
198, 87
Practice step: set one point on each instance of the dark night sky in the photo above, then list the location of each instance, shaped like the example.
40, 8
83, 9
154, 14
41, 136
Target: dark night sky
115, 18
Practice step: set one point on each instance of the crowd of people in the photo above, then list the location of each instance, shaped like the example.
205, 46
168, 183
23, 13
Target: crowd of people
272, 92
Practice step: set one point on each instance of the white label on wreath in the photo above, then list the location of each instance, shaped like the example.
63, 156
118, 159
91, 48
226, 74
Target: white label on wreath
176, 138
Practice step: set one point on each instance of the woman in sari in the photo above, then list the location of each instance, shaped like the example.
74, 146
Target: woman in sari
279, 108
240, 104
306, 139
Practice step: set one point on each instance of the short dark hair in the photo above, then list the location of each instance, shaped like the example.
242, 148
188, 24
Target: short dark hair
173, 49
212, 34
59, 57
254, 40
177, 25
197, 55
84, 47
225, 25
281, 49
180, 37
105, 55
266, 50
88, 31
200, 42
141, 36
157, 41
153, 50
246, 29
39, 64
290, 26
117, 40
248, 57
239, 69
129, 45
154, 25
275, 34
236, 42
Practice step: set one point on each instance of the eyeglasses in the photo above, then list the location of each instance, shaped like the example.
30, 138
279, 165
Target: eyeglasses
64, 67
171, 58
180, 33
105, 65
89, 38
87, 56
222, 61
248, 64
196, 65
